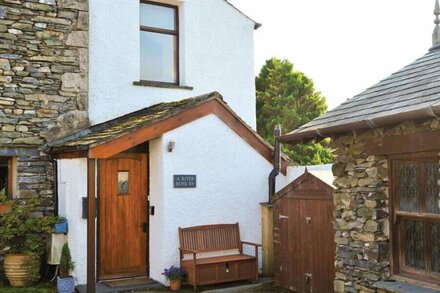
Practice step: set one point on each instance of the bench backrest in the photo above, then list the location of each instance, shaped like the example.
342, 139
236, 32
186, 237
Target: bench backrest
210, 237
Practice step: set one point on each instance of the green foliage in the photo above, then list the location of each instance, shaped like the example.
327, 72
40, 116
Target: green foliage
288, 97
66, 263
46, 287
23, 231
3, 196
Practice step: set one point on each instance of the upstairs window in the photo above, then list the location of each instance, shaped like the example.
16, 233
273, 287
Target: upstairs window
159, 36
417, 217
6, 175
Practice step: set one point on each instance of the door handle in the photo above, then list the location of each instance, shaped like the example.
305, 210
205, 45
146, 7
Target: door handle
280, 217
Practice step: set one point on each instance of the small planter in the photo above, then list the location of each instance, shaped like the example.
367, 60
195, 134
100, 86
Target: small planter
175, 285
4, 208
65, 284
61, 228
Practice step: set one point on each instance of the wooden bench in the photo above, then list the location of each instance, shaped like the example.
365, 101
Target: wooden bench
218, 269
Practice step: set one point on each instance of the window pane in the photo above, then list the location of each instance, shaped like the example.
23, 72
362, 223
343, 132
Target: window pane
414, 244
431, 188
123, 187
4, 177
157, 57
408, 188
157, 16
435, 247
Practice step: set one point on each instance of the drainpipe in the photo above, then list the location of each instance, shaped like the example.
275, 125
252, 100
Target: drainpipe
55, 183
276, 161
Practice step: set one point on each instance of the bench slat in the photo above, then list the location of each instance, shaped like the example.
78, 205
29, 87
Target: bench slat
210, 238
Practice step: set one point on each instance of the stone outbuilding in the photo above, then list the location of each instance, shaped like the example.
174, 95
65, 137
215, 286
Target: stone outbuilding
386, 168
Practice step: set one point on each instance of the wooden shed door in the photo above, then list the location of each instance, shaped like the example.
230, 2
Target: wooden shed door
123, 217
304, 245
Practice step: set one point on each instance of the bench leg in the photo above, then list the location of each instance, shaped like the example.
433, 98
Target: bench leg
195, 287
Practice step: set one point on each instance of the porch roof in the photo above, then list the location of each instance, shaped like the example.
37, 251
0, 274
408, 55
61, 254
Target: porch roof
409, 94
112, 137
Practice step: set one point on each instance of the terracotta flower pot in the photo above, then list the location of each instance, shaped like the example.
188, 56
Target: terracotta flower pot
175, 285
17, 271
4, 208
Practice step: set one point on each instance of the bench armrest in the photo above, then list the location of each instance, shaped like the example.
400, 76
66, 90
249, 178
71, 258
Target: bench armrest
251, 243
186, 250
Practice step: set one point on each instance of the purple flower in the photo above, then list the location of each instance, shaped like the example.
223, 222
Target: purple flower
174, 273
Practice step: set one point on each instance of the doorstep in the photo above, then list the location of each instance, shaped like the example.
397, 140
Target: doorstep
395, 286
101, 287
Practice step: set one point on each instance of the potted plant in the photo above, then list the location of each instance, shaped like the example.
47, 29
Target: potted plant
175, 276
65, 282
5, 206
22, 233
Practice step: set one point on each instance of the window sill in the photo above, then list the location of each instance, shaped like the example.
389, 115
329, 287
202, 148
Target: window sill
403, 287
162, 85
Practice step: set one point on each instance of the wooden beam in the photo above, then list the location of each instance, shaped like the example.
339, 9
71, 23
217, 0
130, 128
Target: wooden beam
400, 144
91, 229
70, 155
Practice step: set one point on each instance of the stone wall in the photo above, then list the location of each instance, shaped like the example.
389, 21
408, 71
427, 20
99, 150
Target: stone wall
43, 84
362, 213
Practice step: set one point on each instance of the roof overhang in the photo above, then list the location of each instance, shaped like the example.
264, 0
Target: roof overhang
319, 133
212, 105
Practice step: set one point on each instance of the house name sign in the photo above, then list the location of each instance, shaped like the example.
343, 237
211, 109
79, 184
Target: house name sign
185, 181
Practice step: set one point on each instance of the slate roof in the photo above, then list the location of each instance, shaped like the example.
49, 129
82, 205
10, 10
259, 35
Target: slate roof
411, 93
110, 130
102, 133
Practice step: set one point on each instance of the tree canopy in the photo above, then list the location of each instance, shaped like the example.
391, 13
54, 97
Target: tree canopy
288, 97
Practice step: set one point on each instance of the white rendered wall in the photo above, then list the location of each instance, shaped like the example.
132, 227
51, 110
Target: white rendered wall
231, 183
216, 54
72, 187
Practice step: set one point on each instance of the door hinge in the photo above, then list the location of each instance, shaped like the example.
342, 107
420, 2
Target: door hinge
280, 217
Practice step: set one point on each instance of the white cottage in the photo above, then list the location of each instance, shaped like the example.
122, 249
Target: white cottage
155, 77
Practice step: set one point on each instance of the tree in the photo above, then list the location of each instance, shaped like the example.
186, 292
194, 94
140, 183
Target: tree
288, 97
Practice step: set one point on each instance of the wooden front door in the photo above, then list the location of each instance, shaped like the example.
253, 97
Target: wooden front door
123, 218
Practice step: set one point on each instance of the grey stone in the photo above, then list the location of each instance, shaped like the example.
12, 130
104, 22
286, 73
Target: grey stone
54, 20
78, 39
73, 82
2, 12
10, 56
28, 140
5, 64
83, 21
74, 4
49, 2
38, 6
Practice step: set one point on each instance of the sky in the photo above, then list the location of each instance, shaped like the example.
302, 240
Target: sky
345, 46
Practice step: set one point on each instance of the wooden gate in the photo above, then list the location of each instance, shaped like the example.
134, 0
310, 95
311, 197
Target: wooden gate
304, 247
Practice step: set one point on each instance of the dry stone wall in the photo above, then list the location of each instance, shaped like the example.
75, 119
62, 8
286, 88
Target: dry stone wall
43, 84
362, 207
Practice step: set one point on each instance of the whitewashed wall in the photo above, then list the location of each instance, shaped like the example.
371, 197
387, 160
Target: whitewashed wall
72, 187
231, 182
216, 54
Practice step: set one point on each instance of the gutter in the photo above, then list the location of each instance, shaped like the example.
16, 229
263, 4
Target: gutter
432, 111
55, 184
276, 162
